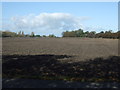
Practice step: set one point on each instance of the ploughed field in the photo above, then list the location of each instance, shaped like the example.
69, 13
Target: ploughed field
74, 59
81, 49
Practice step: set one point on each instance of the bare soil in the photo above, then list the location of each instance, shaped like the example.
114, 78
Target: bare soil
80, 48
73, 59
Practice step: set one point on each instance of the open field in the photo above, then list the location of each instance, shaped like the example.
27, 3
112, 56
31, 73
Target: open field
79, 59
81, 49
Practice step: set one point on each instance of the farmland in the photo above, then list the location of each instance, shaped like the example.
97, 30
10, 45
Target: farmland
82, 59
80, 48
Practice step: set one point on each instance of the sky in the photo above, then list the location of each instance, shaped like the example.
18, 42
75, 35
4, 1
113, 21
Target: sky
46, 18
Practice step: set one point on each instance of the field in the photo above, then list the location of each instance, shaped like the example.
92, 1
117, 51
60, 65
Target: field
74, 59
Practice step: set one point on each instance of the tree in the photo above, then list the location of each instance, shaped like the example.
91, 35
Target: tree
76, 33
22, 34
27, 35
72, 34
92, 34
44, 36
0, 33
19, 34
37, 36
86, 33
65, 34
102, 32
51, 35
8, 34
32, 34
80, 33
110, 31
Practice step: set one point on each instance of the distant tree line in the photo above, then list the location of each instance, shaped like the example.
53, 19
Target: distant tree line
21, 34
75, 33
91, 34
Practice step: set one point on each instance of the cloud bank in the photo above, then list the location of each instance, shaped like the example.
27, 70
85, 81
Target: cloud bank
47, 23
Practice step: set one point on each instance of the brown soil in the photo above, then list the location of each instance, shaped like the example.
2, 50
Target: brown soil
73, 59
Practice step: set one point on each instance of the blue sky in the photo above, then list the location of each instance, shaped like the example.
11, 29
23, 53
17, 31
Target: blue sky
56, 17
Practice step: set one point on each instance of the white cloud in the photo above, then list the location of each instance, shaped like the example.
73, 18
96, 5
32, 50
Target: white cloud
47, 23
